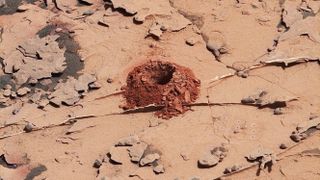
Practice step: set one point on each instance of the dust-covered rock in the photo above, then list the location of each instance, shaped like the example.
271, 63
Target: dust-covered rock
216, 43
191, 41
263, 156
37, 58
309, 26
278, 111
212, 157
232, 169
86, 2
164, 15
128, 141
6, 92
302, 129
23, 8
155, 30
290, 13
23, 91
70, 91
265, 98
136, 151
149, 159
158, 169
208, 160
28, 127
115, 155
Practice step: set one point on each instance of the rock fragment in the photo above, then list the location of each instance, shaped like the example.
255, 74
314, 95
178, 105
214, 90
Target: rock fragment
248, 100
7, 93
136, 151
128, 141
28, 127
242, 74
208, 160
158, 169
23, 91
277, 111
13, 94
86, 2
128, 6
302, 129
88, 12
115, 155
43, 103
290, 13
232, 169
82, 84
149, 159
70, 91
97, 163
103, 22
263, 156
36, 58
216, 43
23, 8
191, 41
283, 146
264, 98
155, 30
308, 26
141, 15
212, 157
95, 85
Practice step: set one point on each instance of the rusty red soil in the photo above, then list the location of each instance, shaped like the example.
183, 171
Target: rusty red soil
163, 84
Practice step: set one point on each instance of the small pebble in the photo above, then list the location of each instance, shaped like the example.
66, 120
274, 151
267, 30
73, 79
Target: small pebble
246, 12
95, 85
7, 93
109, 80
191, 41
22, 8
28, 128
13, 94
283, 146
33, 81
255, 5
97, 163
243, 74
58, 30
23, 91
277, 111
248, 100
88, 12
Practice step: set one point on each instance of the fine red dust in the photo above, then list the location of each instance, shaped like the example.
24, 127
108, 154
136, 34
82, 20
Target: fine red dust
163, 84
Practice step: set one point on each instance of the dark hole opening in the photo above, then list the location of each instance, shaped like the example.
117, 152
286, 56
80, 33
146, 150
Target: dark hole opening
163, 75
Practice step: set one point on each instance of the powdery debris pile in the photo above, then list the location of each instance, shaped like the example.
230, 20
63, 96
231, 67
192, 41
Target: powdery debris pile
163, 84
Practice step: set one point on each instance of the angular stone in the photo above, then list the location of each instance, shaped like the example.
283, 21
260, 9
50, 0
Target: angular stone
23, 91
137, 150
158, 169
208, 160
128, 141
149, 159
